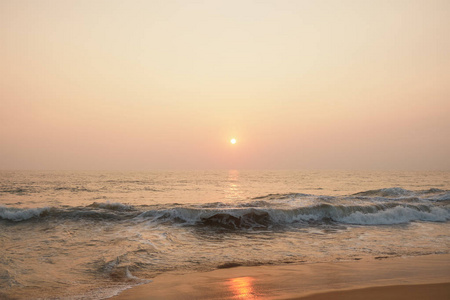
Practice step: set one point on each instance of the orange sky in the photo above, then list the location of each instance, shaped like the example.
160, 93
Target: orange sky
166, 84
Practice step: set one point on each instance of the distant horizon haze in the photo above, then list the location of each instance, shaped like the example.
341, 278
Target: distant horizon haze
166, 85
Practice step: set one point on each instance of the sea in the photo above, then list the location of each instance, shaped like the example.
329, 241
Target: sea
91, 235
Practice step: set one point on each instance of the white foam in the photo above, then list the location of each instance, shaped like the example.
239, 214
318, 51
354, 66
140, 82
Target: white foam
18, 214
396, 215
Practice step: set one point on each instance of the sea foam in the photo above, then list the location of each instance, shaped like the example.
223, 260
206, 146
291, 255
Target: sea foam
18, 214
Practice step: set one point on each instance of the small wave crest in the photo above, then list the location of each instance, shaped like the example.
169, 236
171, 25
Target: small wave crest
112, 206
387, 192
20, 214
441, 197
94, 211
397, 192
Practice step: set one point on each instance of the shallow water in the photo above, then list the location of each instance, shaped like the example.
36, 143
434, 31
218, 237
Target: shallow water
91, 234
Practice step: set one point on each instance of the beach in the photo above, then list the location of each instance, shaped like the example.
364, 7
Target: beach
224, 149
218, 234
425, 277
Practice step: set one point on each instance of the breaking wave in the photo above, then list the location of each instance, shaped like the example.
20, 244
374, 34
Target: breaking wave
95, 211
374, 207
18, 214
257, 218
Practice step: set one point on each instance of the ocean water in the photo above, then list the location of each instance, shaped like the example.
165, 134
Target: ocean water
89, 235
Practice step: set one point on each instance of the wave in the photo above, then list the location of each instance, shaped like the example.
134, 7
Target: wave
112, 206
18, 190
374, 207
18, 214
73, 189
31, 189
396, 192
246, 218
443, 197
387, 192
256, 218
95, 211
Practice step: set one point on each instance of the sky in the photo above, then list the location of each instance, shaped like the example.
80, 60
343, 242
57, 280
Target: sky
152, 85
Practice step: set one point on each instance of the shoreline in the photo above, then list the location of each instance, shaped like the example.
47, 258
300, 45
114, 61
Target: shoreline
399, 276
389, 292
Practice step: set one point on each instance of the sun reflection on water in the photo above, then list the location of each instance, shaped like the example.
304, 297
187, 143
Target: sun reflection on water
242, 288
233, 192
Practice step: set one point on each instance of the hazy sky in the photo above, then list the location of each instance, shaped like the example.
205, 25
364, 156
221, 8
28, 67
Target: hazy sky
167, 84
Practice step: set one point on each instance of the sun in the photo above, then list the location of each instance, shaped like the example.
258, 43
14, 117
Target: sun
233, 141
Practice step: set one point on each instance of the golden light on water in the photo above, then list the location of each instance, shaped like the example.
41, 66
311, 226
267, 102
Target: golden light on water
233, 191
233, 141
242, 288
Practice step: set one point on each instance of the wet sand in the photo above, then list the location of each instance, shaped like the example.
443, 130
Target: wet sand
425, 277
396, 292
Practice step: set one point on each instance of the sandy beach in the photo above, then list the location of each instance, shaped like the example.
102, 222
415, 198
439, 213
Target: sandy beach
395, 292
224, 149
425, 277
